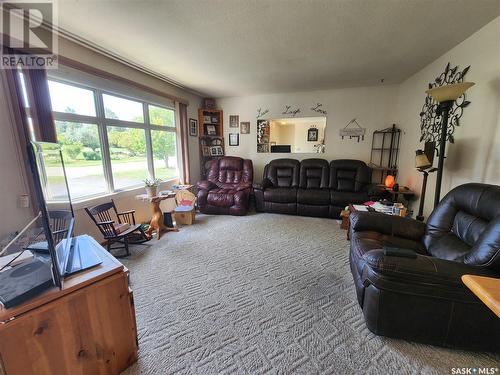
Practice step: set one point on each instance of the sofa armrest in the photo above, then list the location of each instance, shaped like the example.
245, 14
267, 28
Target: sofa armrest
263, 185
387, 224
206, 185
423, 270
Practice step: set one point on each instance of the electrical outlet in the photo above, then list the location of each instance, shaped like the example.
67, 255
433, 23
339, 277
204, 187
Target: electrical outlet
24, 201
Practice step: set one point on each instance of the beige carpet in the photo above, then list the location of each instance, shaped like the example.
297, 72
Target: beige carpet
263, 294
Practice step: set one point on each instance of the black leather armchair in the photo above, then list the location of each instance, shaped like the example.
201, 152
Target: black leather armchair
423, 298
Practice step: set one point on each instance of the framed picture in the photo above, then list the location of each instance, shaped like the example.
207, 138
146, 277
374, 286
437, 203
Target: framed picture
263, 148
205, 151
211, 130
234, 139
216, 142
245, 127
216, 151
234, 121
209, 103
193, 127
312, 135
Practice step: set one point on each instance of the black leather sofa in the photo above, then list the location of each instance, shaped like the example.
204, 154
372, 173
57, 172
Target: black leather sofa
313, 187
423, 298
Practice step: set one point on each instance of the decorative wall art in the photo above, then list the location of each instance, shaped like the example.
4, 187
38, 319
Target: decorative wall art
262, 113
211, 130
353, 130
430, 120
291, 112
263, 135
193, 127
263, 148
234, 121
245, 127
317, 108
234, 139
312, 135
216, 151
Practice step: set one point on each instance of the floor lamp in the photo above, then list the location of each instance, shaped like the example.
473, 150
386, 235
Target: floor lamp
445, 96
422, 163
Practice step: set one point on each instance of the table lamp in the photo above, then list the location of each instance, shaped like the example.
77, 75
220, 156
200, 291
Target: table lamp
389, 181
422, 163
445, 96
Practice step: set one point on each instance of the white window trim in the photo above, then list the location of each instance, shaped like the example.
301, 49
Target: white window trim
102, 123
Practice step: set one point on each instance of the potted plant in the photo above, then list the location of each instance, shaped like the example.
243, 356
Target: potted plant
151, 187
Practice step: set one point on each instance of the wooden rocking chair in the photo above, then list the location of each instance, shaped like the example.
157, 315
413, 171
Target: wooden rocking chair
134, 234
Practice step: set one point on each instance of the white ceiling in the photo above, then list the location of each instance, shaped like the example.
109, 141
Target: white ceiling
242, 47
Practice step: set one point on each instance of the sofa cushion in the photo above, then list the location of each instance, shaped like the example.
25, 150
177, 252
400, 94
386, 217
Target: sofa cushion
230, 170
280, 195
314, 174
464, 227
349, 175
343, 198
283, 173
317, 197
448, 247
221, 197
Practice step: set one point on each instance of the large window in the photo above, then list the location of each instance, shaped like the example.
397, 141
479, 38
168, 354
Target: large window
109, 142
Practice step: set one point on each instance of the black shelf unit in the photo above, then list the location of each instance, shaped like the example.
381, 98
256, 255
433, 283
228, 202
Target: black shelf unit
384, 153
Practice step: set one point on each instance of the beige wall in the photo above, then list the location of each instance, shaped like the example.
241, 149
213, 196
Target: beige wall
372, 106
475, 155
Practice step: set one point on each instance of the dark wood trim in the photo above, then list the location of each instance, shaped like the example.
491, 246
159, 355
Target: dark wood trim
106, 75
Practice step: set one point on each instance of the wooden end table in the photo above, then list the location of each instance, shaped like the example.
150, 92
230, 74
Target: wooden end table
156, 224
487, 289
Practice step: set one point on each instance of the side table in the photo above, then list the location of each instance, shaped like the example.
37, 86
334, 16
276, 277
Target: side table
487, 289
157, 224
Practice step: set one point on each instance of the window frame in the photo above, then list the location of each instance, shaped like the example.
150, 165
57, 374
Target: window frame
103, 123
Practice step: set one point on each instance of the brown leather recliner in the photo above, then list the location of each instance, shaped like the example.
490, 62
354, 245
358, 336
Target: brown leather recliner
227, 187
421, 297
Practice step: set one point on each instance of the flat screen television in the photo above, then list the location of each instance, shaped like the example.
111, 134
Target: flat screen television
54, 201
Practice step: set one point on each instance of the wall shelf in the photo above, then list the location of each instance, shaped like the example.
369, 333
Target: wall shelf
209, 117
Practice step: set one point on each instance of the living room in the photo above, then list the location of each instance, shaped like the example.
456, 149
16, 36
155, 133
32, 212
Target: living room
224, 159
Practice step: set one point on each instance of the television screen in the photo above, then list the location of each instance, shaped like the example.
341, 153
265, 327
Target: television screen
54, 201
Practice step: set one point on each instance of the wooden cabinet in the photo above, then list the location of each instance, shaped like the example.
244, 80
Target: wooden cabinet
88, 327
211, 136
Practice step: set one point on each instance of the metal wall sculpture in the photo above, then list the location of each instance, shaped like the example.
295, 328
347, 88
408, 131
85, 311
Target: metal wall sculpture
430, 119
